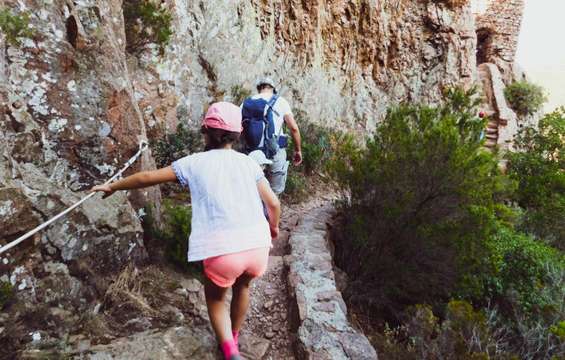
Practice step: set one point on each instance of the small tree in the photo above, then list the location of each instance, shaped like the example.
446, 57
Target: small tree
524, 97
421, 204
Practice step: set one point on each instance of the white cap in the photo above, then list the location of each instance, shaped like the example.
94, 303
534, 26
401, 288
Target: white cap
260, 157
266, 81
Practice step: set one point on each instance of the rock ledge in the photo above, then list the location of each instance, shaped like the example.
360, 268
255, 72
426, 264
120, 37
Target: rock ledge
323, 331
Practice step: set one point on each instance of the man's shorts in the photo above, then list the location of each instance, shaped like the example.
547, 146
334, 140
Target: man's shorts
278, 172
224, 270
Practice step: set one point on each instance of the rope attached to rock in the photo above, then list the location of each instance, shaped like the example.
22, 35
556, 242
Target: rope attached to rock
142, 147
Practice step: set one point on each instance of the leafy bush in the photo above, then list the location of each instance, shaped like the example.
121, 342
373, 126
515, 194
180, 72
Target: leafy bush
558, 330
15, 26
318, 144
524, 97
420, 205
6, 293
522, 274
296, 187
146, 22
538, 166
176, 145
173, 233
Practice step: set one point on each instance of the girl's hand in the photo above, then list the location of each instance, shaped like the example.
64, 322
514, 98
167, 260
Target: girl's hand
275, 232
106, 189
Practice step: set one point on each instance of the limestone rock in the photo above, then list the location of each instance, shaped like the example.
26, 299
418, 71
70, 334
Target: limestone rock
68, 120
324, 331
169, 344
340, 63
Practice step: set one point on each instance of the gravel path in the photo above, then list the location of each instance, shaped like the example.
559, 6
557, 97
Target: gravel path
269, 318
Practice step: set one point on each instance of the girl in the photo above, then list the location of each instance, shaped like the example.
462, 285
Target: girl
229, 231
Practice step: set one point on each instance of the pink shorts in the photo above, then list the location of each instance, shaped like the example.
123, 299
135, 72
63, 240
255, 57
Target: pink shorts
224, 270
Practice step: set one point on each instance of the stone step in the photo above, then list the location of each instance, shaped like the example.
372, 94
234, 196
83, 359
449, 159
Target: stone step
492, 136
490, 143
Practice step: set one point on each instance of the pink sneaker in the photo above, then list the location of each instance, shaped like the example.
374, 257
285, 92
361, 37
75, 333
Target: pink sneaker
230, 350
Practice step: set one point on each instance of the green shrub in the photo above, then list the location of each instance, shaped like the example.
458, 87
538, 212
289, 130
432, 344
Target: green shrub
316, 147
6, 293
176, 145
426, 220
15, 26
558, 330
296, 187
522, 275
318, 144
420, 204
524, 97
173, 233
146, 22
538, 167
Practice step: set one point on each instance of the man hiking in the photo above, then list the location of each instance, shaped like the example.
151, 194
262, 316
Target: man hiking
264, 116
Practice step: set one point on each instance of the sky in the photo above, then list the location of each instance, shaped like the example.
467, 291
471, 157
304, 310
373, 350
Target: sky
541, 49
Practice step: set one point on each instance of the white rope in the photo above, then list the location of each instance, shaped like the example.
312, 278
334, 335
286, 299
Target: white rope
142, 147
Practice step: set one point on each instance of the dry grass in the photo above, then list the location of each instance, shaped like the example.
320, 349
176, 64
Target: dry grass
127, 289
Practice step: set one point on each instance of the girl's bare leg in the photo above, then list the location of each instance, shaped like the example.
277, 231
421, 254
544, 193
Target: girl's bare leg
217, 310
239, 302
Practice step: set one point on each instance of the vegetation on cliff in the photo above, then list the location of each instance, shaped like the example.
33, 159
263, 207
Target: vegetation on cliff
146, 22
14, 26
524, 97
538, 167
451, 252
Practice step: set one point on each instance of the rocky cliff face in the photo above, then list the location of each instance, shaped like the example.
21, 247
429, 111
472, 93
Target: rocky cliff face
339, 63
69, 118
74, 106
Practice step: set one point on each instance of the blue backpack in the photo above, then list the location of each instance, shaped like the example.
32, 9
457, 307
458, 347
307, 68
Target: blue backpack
259, 126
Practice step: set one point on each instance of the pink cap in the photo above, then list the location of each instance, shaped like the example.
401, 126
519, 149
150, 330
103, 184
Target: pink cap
223, 115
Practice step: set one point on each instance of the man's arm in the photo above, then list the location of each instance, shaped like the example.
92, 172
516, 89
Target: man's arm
295, 133
139, 180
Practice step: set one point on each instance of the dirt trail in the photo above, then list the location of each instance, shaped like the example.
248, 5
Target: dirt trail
269, 316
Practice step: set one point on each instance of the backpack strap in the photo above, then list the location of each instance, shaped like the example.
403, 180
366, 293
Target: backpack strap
271, 104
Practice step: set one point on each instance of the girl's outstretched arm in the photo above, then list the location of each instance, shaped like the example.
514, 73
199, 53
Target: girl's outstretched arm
139, 180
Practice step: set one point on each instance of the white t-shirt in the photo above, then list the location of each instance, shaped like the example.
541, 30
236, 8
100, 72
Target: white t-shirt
281, 108
227, 213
